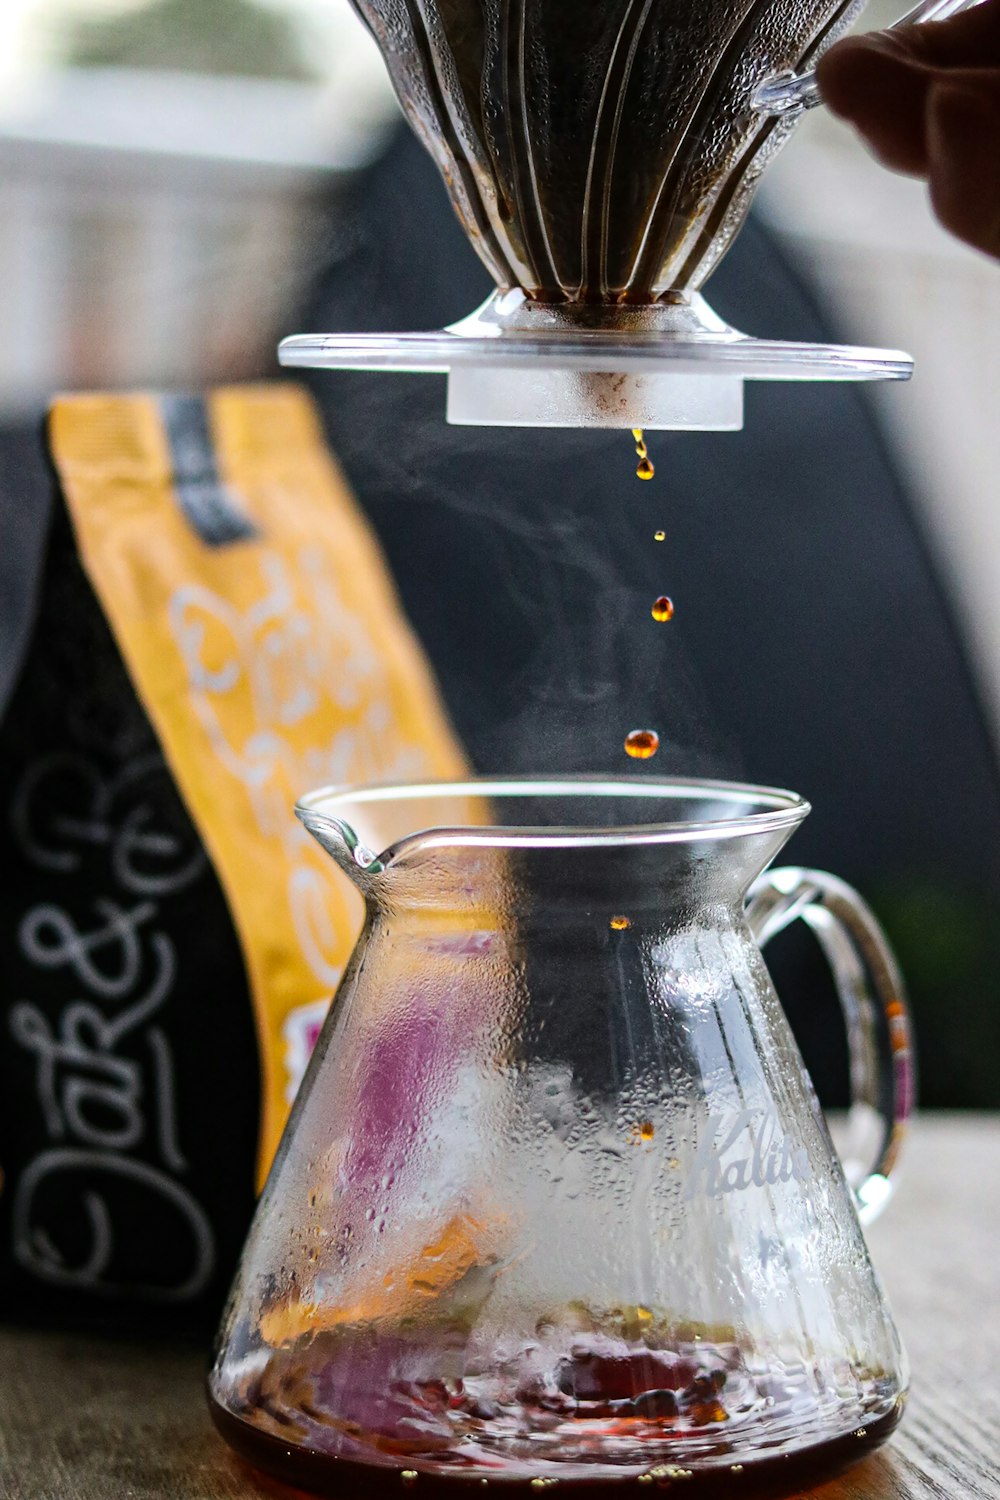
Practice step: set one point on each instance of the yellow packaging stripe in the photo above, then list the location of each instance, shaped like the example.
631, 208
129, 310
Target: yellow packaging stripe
273, 664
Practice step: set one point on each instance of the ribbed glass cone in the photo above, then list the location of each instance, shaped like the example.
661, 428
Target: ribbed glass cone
601, 155
598, 150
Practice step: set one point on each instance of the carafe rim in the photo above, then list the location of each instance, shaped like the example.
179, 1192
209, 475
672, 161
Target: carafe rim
770, 809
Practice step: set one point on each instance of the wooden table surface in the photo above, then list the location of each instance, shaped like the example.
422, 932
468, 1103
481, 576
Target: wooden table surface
82, 1419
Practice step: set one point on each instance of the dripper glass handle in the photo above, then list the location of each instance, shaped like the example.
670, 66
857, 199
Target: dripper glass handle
790, 92
873, 1001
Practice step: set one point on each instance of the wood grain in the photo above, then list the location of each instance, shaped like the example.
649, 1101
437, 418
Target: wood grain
83, 1419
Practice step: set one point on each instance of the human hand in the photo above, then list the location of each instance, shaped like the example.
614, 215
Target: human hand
926, 99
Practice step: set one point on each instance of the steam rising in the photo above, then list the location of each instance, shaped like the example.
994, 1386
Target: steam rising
525, 558
526, 561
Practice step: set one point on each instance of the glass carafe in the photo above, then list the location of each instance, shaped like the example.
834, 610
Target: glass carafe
557, 1201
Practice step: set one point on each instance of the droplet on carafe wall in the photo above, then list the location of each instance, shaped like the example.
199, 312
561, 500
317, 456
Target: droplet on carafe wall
642, 743
663, 608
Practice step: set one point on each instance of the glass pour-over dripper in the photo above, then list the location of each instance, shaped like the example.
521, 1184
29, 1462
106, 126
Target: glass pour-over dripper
601, 155
556, 1201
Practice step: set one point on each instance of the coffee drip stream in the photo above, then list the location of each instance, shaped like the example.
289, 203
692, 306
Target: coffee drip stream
601, 156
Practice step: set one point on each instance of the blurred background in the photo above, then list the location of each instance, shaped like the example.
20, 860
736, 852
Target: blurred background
184, 181
161, 165
167, 166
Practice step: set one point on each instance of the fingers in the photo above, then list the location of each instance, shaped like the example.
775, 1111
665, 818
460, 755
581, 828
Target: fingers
875, 84
963, 158
926, 99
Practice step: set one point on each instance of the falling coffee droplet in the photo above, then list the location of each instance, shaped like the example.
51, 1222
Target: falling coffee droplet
659, 536
619, 924
645, 469
642, 743
663, 608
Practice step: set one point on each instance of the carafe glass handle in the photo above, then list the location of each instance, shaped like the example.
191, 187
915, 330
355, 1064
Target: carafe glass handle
875, 1012
787, 93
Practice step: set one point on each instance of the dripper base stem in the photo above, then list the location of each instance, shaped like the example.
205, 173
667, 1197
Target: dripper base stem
481, 396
